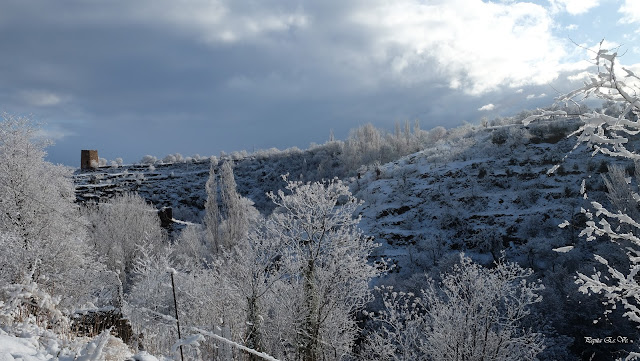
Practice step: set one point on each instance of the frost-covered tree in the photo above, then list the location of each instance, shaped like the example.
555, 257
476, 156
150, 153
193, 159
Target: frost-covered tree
253, 270
40, 229
119, 226
226, 221
234, 208
610, 135
149, 302
436, 134
149, 159
291, 286
35, 196
476, 313
326, 258
212, 211
191, 248
362, 147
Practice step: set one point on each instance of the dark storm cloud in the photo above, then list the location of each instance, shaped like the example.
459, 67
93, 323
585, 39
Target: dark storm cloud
158, 77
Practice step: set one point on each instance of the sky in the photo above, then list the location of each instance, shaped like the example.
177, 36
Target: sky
158, 77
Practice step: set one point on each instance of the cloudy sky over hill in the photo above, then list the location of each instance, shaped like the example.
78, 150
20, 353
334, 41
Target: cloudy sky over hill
131, 78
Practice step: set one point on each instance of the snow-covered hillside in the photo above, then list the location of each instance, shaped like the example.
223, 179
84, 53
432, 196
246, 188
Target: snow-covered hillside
467, 193
487, 199
181, 186
491, 192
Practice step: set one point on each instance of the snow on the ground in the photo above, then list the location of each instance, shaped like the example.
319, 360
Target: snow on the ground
25, 349
40, 345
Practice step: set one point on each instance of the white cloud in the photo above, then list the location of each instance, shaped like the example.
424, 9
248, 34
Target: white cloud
487, 107
53, 132
630, 12
477, 46
583, 75
472, 45
41, 98
574, 7
534, 96
632, 83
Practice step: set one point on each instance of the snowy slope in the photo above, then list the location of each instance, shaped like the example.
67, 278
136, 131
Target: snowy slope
486, 199
486, 191
182, 185
474, 192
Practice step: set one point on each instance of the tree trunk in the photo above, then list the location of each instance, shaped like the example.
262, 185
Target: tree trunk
311, 326
253, 334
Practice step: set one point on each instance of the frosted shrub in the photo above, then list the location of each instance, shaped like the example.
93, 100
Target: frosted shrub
435, 135
149, 304
25, 302
148, 159
119, 226
475, 313
238, 155
169, 159
620, 191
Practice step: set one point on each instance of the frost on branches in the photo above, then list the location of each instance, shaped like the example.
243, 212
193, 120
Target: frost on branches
610, 135
288, 285
326, 257
475, 314
41, 237
119, 228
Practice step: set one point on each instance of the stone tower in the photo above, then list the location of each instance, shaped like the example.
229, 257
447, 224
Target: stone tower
88, 159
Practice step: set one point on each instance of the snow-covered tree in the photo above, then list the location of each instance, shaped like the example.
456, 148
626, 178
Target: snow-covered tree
326, 258
362, 147
149, 159
119, 226
212, 211
234, 208
620, 191
149, 302
253, 270
476, 313
31, 190
40, 228
226, 221
191, 248
609, 135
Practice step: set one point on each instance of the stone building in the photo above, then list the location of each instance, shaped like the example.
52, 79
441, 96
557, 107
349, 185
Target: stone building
89, 159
